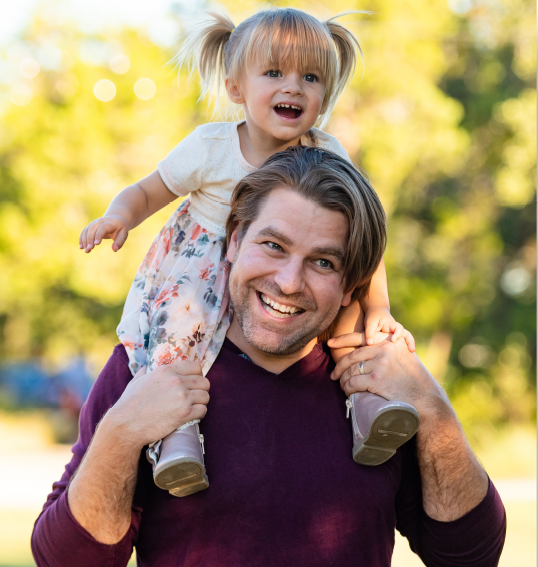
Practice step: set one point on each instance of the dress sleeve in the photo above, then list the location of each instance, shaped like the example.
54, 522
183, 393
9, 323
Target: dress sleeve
182, 169
474, 540
58, 540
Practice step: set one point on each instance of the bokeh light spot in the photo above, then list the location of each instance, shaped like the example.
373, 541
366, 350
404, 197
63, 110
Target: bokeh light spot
21, 94
30, 68
515, 280
145, 89
104, 90
120, 64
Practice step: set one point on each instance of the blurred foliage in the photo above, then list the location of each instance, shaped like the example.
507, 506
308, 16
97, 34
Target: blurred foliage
442, 118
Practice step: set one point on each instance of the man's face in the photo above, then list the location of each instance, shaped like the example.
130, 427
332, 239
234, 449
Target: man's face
286, 282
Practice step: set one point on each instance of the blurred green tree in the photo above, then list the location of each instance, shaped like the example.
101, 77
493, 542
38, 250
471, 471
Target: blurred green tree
441, 118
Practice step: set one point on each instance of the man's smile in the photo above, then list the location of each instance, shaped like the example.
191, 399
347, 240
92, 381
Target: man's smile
279, 310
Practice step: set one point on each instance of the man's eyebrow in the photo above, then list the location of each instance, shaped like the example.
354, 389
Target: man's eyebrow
337, 253
333, 251
273, 233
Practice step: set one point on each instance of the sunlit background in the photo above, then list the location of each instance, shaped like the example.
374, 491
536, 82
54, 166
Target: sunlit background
442, 118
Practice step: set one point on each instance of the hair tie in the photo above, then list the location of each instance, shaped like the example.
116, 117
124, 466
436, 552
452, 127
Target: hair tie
232, 31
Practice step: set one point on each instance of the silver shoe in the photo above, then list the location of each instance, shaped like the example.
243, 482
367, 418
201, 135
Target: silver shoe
379, 427
178, 461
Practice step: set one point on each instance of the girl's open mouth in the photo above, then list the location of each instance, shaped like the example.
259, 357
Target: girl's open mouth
288, 111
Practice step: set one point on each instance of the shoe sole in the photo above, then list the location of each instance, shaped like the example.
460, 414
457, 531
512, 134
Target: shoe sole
389, 430
183, 476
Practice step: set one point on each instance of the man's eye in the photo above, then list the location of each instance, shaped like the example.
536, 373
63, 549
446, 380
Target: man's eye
310, 78
325, 264
274, 246
273, 73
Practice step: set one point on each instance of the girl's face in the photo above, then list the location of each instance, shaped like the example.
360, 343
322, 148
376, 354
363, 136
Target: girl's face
283, 102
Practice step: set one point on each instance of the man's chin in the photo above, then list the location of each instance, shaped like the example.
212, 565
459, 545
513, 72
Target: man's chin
275, 343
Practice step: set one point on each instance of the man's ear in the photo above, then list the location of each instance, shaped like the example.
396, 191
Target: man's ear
346, 300
233, 90
232, 248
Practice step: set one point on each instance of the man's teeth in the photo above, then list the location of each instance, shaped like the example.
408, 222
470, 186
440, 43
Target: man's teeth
288, 106
285, 309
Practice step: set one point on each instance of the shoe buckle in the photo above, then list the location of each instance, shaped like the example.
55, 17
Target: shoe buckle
153, 452
349, 407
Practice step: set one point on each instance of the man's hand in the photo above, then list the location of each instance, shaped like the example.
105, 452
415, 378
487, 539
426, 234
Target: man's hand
453, 482
390, 371
155, 404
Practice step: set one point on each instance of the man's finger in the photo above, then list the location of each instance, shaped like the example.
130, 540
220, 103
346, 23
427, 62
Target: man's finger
198, 411
357, 356
199, 397
349, 340
186, 367
140, 373
351, 384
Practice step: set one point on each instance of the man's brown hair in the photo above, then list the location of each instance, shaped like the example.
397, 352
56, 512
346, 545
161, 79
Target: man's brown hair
334, 184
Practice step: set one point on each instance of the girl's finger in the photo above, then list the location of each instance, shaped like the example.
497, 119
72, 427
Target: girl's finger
349, 340
103, 231
410, 340
398, 332
120, 239
82, 239
372, 326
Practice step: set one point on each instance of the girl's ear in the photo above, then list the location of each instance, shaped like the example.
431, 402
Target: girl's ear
233, 90
232, 247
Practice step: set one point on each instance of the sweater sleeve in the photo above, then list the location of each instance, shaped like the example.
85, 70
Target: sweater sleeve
182, 169
58, 540
474, 540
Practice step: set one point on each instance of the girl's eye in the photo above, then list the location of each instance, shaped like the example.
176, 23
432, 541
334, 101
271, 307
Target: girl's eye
310, 78
325, 264
273, 73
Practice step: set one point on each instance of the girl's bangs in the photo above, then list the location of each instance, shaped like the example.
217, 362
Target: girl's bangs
293, 42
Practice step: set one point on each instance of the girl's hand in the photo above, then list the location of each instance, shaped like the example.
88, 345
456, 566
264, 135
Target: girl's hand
109, 226
379, 319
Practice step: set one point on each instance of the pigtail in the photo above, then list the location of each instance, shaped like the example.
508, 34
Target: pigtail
347, 46
204, 49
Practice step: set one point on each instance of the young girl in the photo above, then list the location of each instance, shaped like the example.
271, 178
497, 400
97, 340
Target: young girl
286, 70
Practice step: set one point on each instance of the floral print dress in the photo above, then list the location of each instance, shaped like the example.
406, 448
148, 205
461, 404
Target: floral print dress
178, 305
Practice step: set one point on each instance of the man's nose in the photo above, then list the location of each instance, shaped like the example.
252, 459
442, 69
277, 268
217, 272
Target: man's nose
290, 276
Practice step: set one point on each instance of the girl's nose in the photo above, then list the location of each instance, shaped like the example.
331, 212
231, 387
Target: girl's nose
290, 277
292, 85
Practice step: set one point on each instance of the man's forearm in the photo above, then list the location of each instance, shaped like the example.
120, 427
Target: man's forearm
101, 493
453, 482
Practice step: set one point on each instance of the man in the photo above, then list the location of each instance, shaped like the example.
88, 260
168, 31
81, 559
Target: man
304, 232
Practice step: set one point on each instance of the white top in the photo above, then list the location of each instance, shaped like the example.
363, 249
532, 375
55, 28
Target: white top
208, 164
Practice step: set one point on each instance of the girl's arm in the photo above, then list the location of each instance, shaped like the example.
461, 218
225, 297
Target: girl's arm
363, 320
128, 209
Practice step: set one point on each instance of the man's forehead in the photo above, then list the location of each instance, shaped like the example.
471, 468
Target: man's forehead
296, 220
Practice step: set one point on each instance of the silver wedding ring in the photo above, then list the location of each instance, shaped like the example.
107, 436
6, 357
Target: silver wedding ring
361, 368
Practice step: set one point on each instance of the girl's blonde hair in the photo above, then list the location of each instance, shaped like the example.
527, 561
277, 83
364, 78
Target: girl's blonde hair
217, 49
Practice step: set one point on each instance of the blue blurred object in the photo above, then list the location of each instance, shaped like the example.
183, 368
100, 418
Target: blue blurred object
27, 384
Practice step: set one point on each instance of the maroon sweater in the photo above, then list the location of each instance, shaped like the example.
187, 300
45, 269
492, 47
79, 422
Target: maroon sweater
284, 490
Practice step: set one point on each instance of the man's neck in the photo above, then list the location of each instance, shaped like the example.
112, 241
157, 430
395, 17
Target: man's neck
275, 363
